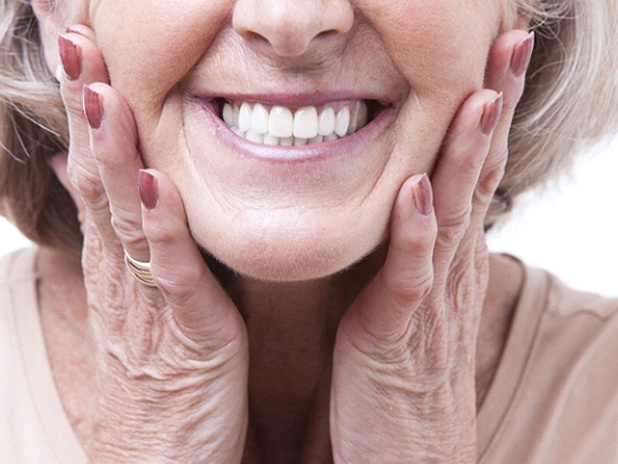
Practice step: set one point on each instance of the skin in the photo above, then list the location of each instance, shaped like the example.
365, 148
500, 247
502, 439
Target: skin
330, 353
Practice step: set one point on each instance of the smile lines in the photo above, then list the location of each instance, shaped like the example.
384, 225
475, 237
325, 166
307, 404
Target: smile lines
279, 125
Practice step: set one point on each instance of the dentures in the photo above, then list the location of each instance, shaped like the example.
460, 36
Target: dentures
283, 126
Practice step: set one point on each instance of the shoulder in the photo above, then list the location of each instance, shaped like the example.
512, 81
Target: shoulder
555, 390
549, 300
17, 279
575, 336
18, 266
566, 302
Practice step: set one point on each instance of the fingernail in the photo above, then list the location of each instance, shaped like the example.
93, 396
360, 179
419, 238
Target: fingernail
491, 114
93, 107
423, 196
58, 73
71, 58
522, 55
70, 30
148, 190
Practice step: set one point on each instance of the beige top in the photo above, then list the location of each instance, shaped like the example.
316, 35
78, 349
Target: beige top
33, 426
554, 398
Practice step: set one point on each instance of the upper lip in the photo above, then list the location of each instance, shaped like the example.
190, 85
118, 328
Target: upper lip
297, 99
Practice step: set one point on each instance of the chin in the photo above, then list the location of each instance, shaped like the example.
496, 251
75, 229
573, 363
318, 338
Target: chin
278, 259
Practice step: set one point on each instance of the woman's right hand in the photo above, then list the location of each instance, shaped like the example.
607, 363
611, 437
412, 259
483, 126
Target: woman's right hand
171, 360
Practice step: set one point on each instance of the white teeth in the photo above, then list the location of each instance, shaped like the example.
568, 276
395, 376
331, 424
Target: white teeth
281, 122
228, 115
244, 117
271, 140
343, 121
254, 137
285, 127
259, 119
358, 118
326, 121
306, 122
286, 141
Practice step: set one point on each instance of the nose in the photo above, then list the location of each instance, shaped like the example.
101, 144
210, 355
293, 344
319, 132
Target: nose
293, 28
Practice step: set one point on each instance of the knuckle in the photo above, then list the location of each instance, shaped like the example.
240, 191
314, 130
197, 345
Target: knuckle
181, 286
158, 235
471, 163
490, 179
452, 230
410, 286
88, 184
128, 229
72, 99
461, 287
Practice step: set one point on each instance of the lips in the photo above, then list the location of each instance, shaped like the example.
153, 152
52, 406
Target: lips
275, 124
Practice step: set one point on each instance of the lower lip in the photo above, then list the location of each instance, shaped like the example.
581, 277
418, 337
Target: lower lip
313, 152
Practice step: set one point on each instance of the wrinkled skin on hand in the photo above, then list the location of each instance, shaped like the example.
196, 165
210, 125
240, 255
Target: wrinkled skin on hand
172, 360
404, 365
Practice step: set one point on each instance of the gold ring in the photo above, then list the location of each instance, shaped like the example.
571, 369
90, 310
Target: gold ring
140, 270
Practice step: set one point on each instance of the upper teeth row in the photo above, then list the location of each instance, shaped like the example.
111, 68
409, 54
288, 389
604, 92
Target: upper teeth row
282, 126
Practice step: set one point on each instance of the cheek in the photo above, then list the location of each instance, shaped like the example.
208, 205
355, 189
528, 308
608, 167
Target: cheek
150, 46
440, 46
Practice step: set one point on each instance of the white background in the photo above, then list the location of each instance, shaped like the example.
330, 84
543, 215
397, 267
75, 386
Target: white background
572, 230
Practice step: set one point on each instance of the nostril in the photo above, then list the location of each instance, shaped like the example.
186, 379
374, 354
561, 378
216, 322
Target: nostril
283, 44
327, 35
257, 39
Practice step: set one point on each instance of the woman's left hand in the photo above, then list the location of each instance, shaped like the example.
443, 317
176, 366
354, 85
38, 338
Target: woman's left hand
404, 366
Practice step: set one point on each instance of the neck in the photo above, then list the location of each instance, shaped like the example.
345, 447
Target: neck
292, 328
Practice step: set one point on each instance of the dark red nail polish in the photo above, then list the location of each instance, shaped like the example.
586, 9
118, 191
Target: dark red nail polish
491, 115
148, 189
71, 58
522, 55
423, 196
93, 107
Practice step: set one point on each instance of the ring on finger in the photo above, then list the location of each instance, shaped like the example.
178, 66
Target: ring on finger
141, 270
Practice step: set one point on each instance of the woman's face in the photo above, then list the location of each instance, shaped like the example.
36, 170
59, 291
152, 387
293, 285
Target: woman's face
272, 211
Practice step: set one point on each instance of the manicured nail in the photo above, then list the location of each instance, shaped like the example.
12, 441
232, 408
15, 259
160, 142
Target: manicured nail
423, 196
491, 114
71, 58
522, 55
148, 189
70, 30
93, 107
58, 73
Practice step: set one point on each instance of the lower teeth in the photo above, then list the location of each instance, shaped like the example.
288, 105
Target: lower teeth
267, 139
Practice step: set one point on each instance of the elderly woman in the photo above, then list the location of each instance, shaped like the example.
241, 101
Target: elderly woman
261, 230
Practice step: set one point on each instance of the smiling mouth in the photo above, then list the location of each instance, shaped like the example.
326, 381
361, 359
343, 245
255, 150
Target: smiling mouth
278, 125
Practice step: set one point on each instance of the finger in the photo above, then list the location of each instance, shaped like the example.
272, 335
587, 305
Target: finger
113, 139
201, 307
385, 308
82, 64
458, 170
508, 62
